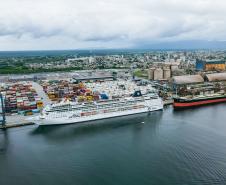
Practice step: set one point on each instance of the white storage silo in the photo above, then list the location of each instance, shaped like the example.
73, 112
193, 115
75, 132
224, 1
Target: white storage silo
166, 73
151, 73
158, 74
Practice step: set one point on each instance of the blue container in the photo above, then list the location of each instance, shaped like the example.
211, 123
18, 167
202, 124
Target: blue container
35, 110
104, 96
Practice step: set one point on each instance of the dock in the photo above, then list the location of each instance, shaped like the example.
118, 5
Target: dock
7, 125
16, 121
168, 102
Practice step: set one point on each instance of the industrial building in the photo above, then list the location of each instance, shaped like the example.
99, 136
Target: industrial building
187, 79
93, 76
20, 78
196, 79
215, 77
210, 65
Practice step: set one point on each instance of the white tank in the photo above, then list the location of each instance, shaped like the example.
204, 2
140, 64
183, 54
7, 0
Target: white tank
174, 67
158, 74
151, 73
166, 73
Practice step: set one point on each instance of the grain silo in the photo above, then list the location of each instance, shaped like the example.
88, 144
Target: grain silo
151, 73
166, 73
158, 74
174, 67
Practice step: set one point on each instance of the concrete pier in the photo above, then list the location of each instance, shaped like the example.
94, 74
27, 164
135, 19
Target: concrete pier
168, 102
16, 121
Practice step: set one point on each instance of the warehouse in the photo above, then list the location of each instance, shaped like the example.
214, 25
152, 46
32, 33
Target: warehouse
188, 79
216, 77
210, 84
210, 65
182, 83
20, 78
86, 77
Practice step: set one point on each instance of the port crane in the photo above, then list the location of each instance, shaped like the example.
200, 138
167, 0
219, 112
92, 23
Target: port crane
2, 111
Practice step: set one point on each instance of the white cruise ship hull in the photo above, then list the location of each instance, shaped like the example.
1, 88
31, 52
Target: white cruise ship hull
67, 120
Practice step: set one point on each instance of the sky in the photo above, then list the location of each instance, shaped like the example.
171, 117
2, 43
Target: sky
108, 24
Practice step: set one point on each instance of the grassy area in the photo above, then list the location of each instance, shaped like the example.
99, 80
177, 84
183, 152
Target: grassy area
141, 73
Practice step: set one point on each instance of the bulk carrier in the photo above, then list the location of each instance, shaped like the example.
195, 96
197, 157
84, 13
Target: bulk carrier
184, 102
73, 112
196, 90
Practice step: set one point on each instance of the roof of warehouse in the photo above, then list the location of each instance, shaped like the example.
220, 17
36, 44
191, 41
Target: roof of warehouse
215, 61
216, 77
188, 79
93, 76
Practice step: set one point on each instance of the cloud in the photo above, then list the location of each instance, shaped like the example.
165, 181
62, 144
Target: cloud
73, 24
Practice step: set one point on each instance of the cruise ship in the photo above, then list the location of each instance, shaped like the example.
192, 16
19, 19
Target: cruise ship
72, 112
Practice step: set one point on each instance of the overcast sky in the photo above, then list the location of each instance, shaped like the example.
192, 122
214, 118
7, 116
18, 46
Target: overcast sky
84, 24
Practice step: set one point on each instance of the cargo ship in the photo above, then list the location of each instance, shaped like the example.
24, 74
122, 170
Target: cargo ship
75, 112
185, 102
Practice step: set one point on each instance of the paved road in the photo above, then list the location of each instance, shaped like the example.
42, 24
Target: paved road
41, 93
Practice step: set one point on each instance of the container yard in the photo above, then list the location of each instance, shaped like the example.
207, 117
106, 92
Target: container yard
21, 98
61, 89
118, 89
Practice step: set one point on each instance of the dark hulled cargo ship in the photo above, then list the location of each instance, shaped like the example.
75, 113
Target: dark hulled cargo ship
197, 90
185, 102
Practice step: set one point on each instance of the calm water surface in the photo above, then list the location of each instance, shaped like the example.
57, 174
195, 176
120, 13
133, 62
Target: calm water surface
162, 148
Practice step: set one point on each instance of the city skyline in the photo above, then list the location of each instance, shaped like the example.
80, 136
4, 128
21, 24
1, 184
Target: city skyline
112, 24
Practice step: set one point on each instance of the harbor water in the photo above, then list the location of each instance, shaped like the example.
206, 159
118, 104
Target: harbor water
167, 147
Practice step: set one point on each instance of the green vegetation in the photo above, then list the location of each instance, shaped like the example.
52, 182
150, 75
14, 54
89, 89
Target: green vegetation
26, 70
28, 65
13, 69
141, 73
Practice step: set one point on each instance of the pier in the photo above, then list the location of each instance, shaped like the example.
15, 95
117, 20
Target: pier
15, 121
168, 102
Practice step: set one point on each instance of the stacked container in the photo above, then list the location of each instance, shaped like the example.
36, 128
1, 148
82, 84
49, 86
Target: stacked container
58, 90
20, 97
